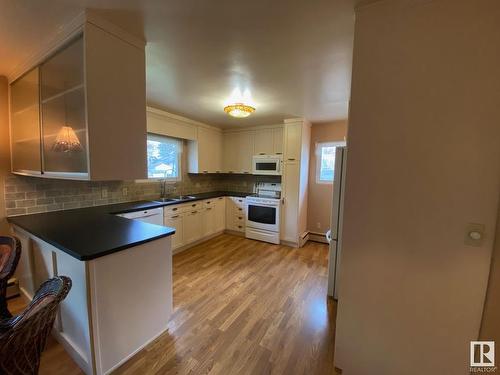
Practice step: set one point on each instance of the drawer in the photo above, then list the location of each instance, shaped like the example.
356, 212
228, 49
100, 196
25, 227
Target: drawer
239, 226
239, 218
172, 210
238, 201
209, 202
193, 205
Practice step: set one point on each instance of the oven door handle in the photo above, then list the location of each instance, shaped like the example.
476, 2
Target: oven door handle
264, 205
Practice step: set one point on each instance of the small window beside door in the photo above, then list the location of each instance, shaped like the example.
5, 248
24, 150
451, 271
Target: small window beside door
325, 162
164, 157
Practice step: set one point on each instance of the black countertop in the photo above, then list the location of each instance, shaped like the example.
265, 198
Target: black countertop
89, 233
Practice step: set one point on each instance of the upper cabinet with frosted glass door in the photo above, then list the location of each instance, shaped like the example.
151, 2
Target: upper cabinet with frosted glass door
92, 109
25, 124
64, 129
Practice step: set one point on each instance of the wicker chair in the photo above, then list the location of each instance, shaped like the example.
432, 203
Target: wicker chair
10, 252
22, 338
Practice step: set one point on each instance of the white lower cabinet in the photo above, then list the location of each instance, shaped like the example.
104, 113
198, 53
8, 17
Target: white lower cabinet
193, 226
235, 214
176, 221
208, 221
220, 214
197, 220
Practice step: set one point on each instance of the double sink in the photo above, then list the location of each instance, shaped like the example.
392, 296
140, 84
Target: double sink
175, 199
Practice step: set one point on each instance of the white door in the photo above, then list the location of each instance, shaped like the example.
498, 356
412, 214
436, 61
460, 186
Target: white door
176, 222
208, 219
290, 201
264, 141
220, 214
293, 143
245, 151
193, 226
230, 162
336, 222
278, 141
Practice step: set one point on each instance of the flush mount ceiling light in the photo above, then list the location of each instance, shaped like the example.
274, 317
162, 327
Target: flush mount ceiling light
239, 110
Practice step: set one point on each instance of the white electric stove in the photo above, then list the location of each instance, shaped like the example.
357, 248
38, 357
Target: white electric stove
263, 213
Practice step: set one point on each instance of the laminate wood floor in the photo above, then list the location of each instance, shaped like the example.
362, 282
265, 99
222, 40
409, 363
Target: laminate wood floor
240, 307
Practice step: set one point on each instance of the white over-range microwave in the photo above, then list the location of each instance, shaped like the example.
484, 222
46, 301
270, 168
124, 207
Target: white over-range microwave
267, 165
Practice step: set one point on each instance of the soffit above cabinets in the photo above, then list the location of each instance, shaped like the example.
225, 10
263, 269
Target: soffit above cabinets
293, 56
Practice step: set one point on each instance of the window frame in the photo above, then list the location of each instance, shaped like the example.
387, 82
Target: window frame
318, 151
179, 159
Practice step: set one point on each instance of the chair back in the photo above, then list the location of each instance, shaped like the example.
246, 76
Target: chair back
10, 252
23, 338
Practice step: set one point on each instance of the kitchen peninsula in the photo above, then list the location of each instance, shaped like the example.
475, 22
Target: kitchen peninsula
122, 279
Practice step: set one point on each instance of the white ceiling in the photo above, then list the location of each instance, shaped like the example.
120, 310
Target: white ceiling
294, 56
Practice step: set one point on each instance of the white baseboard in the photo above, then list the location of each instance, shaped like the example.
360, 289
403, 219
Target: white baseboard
136, 351
73, 351
25, 293
317, 237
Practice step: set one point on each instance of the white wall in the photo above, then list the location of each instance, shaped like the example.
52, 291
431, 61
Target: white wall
424, 160
320, 195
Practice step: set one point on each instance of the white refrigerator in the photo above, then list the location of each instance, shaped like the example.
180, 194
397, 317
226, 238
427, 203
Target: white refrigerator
334, 235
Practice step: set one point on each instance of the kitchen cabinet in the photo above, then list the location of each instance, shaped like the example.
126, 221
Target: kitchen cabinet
268, 141
193, 226
278, 141
220, 214
292, 141
176, 221
290, 201
264, 141
230, 162
235, 214
238, 151
64, 131
208, 221
25, 124
295, 181
205, 153
245, 145
92, 106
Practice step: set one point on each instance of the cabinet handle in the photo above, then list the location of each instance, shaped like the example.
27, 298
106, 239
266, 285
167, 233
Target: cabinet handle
239, 217
241, 209
291, 159
209, 208
278, 153
283, 200
193, 205
194, 212
239, 226
262, 153
175, 217
208, 202
174, 209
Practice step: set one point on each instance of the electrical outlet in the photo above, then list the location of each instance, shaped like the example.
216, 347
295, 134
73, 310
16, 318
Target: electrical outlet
318, 225
104, 192
124, 191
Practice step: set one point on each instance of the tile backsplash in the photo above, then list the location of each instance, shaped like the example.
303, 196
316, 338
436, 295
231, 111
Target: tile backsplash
26, 195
